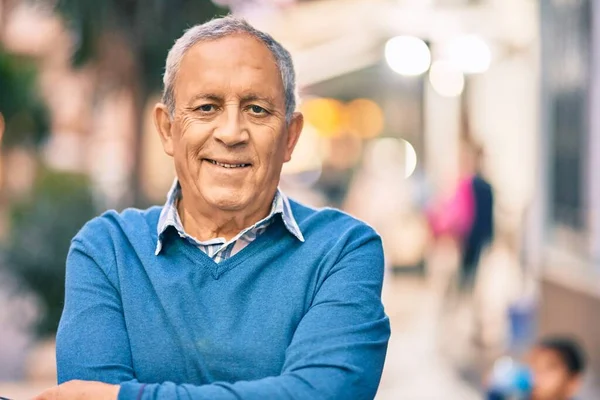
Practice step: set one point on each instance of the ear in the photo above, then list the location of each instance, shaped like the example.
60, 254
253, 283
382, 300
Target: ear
164, 125
294, 130
574, 385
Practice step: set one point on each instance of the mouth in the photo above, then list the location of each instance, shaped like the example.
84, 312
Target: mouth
227, 164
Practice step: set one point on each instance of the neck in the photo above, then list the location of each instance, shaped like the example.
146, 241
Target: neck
214, 223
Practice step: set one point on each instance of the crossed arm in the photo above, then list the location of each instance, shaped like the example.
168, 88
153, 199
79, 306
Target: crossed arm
337, 351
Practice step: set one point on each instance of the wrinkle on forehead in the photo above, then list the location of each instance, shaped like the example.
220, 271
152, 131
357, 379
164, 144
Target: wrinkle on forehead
233, 64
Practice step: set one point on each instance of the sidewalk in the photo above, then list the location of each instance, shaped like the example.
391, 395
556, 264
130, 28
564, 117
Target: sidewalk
415, 367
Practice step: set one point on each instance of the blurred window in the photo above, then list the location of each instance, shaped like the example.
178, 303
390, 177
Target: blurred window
566, 60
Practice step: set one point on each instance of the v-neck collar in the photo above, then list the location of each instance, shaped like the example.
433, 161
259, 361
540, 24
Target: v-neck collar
273, 233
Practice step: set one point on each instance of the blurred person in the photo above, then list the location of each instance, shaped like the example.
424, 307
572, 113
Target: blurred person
553, 371
557, 366
467, 217
481, 231
231, 290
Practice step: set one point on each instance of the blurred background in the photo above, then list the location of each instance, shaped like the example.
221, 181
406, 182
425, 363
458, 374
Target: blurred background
462, 130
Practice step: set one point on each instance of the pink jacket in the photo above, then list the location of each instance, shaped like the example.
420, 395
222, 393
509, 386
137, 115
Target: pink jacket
454, 216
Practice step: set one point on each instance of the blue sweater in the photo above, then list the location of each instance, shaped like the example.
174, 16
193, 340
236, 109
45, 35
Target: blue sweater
281, 319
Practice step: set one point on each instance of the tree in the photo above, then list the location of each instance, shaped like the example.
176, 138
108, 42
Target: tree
42, 226
23, 116
129, 40
24, 113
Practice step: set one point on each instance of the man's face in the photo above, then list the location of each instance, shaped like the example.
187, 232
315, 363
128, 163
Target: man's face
552, 380
229, 137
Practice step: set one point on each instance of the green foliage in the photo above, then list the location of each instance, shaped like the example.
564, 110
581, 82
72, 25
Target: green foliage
24, 113
40, 233
149, 27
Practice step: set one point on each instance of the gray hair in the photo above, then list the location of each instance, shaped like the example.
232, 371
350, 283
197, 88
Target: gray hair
219, 28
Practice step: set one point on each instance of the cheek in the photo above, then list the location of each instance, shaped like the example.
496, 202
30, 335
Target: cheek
550, 381
187, 122
269, 143
190, 141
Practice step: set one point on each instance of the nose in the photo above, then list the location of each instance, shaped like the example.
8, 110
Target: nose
230, 130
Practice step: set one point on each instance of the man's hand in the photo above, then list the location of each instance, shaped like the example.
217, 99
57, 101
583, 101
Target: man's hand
81, 390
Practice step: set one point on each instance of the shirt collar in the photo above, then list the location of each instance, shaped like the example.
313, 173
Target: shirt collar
169, 216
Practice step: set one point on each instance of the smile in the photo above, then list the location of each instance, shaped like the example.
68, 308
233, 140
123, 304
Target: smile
226, 165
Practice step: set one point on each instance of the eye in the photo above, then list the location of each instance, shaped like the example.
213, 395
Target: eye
258, 110
206, 108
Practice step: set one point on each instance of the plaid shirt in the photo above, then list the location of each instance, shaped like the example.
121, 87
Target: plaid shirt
219, 249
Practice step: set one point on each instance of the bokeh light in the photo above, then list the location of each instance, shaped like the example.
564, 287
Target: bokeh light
470, 53
410, 158
407, 55
331, 118
446, 78
364, 118
325, 115
391, 156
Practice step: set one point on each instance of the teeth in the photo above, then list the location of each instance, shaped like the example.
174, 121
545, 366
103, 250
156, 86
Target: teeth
227, 165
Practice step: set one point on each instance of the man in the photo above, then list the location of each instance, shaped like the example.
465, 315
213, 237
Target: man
231, 290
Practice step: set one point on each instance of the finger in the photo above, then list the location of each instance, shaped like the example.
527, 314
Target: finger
49, 394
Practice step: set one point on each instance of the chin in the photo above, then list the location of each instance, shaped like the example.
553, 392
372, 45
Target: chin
228, 200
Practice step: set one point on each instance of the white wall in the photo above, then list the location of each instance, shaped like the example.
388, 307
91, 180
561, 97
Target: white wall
442, 123
504, 116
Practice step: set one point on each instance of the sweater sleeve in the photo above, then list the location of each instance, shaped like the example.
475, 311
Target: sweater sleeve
337, 351
92, 342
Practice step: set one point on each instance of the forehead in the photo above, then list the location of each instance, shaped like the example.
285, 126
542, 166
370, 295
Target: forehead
229, 65
547, 357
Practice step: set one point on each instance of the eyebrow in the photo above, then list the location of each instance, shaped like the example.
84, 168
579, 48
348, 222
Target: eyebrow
244, 98
257, 97
206, 96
